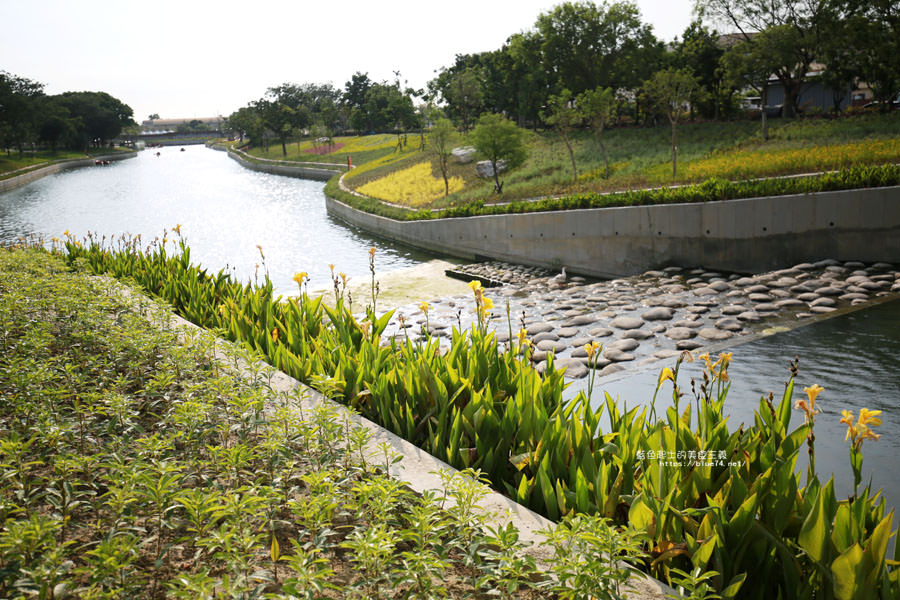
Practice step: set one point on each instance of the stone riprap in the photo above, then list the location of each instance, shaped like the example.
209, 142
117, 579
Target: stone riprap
650, 316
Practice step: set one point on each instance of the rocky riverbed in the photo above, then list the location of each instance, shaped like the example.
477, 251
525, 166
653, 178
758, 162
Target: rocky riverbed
651, 316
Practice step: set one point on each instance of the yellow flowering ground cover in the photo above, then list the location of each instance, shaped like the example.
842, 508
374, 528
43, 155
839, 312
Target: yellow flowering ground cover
414, 186
747, 163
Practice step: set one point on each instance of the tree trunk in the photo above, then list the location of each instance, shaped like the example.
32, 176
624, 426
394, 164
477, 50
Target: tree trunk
674, 148
283, 147
603, 150
498, 187
572, 158
790, 99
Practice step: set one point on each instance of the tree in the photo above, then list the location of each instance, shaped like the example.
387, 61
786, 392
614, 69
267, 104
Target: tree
278, 118
498, 139
752, 64
670, 90
355, 90
564, 116
153, 117
463, 91
701, 53
584, 46
442, 136
877, 43
100, 117
793, 29
56, 123
19, 99
283, 111
599, 108
530, 80
245, 121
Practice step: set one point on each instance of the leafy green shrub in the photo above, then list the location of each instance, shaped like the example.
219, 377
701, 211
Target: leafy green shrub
482, 406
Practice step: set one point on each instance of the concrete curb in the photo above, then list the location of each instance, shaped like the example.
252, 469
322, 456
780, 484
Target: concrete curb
286, 169
26, 178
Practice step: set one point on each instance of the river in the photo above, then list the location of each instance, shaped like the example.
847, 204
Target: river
224, 211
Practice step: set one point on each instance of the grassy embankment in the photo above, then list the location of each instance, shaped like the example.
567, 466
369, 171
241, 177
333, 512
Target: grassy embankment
136, 463
639, 158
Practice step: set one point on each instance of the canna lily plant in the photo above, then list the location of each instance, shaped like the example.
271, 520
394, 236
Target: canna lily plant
707, 495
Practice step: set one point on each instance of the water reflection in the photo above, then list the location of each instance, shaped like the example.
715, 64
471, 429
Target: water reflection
225, 211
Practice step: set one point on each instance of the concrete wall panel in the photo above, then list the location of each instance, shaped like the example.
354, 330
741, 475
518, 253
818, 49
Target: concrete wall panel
743, 235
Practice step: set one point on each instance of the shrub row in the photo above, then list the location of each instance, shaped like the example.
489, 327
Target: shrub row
707, 191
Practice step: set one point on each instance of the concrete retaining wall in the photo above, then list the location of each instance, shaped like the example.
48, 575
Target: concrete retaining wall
303, 172
20, 180
751, 235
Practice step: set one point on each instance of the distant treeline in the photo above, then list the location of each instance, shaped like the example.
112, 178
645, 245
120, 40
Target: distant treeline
73, 120
581, 46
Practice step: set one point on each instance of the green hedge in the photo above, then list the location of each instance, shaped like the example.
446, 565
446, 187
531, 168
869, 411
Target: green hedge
706, 191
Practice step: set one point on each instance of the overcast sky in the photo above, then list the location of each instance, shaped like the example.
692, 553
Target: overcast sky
193, 58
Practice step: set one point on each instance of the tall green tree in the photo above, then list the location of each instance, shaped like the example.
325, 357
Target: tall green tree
531, 79
100, 117
585, 45
670, 90
19, 98
876, 24
57, 126
497, 139
751, 65
794, 35
599, 109
699, 51
245, 121
564, 116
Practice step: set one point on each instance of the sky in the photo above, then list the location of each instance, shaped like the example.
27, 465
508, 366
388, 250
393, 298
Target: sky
199, 58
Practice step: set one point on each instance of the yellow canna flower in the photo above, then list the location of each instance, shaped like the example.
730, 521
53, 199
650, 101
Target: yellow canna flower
665, 375
522, 336
861, 430
705, 358
808, 406
475, 285
424, 307
487, 303
300, 277
372, 251
869, 418
275, 334
592, 348
813, 391
177, 229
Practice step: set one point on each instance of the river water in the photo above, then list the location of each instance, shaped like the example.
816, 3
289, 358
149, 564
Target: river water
226, 210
